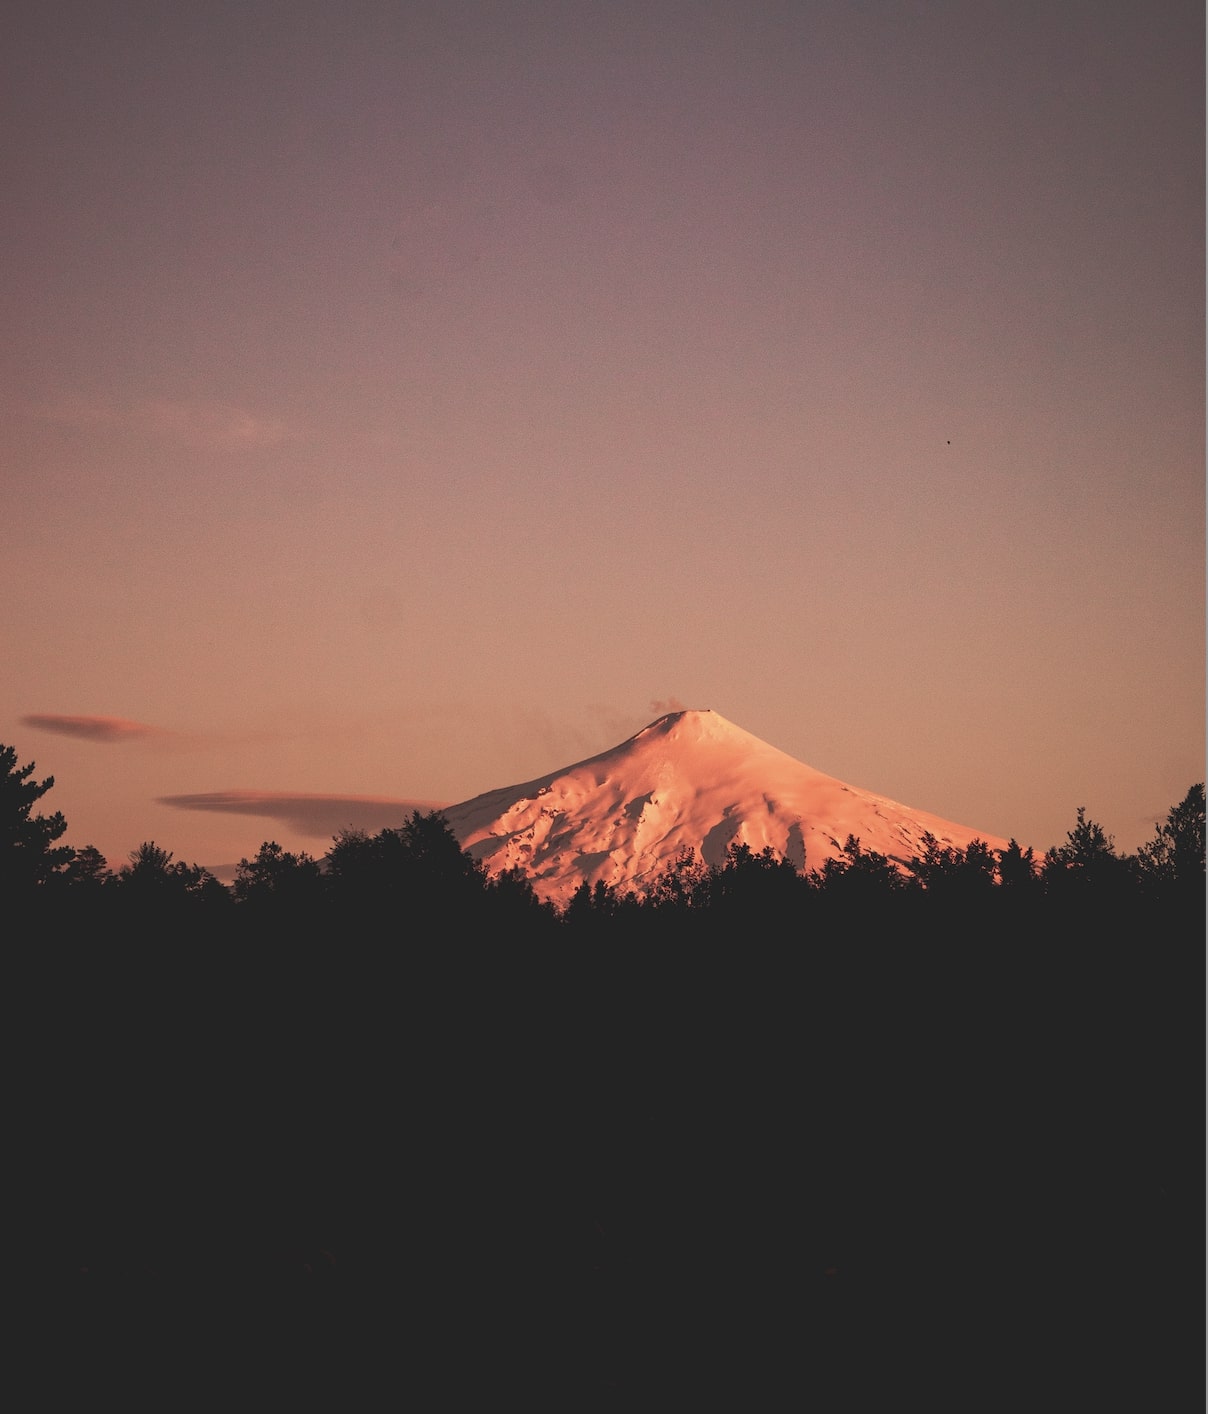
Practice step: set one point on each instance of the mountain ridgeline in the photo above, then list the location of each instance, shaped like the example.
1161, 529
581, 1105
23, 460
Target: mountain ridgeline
690, 782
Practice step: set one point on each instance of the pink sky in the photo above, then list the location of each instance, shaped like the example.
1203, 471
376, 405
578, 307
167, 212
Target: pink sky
403, 401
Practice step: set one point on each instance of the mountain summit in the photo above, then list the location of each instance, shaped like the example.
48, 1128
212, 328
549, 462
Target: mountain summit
690, 780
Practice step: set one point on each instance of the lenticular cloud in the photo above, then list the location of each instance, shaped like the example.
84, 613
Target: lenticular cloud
101, 729
319, 816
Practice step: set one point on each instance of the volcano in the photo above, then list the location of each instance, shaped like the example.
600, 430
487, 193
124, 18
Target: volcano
689, 781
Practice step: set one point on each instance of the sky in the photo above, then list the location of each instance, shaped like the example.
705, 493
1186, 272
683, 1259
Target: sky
401, 401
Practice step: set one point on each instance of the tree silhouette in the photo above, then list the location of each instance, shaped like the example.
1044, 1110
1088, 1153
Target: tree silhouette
1175, 855
860, 873
510, 895
152, 883
1087, 860
419, 864
601, 898
762, 884
955, 879
28, 853
87, 869
1017, 867
148, 863
275, 876
680, 884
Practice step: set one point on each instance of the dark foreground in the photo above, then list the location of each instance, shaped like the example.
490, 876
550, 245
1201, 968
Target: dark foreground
847, 1172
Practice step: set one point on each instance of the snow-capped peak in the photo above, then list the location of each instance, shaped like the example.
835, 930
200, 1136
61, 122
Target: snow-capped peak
688, 780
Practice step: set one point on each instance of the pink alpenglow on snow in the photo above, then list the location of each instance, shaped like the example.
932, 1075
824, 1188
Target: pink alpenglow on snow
690, 780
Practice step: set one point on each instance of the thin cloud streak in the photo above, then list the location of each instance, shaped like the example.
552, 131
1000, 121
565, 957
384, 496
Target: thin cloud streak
319, 816
106, 730
192, 423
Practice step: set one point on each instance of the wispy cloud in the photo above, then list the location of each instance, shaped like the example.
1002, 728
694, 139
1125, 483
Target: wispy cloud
192, 422
102, 729
661, 706
320, 816
598, 727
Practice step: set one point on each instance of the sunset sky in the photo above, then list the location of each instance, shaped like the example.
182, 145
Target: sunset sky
402, 400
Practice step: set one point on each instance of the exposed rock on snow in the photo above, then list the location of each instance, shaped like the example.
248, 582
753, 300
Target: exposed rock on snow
690, 780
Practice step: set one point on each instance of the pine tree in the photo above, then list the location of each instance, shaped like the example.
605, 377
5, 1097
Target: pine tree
1175, 855
28, 853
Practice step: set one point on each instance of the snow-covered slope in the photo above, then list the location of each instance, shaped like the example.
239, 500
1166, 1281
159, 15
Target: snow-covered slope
688, 780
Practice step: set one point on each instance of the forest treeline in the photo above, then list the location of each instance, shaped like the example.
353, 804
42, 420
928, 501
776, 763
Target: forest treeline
419, 868
751, 1131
